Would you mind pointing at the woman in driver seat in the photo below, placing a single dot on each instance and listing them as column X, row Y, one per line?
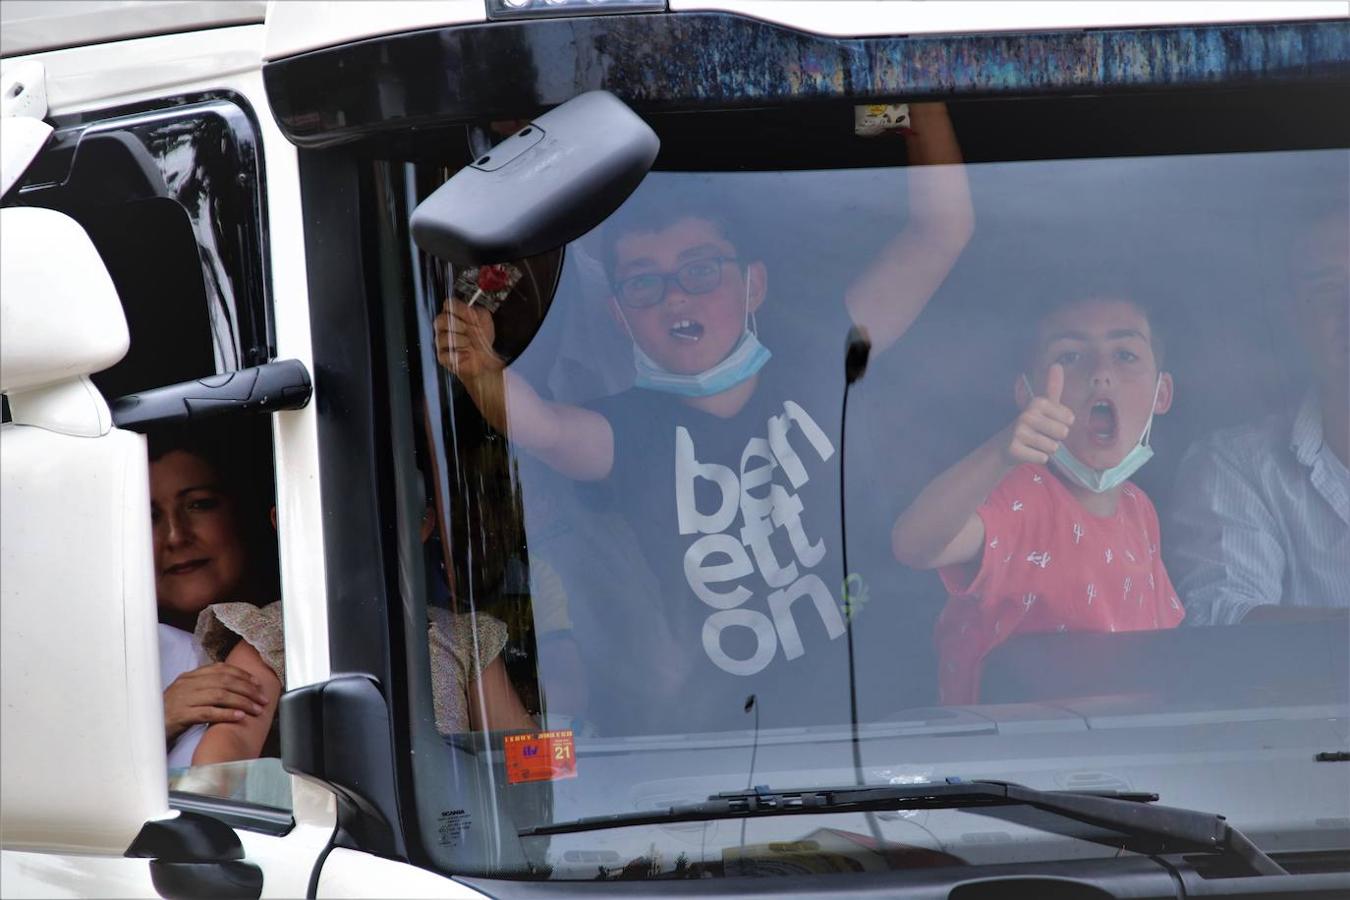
column 215, row 575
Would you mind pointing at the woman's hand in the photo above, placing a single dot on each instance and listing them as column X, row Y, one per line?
column 1044, row 423
column 464, row 336
column 214, row 693
column 244, row 738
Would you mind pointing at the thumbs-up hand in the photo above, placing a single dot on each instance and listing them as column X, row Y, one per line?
column 1044, row 423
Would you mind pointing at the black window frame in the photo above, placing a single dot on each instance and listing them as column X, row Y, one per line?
column 348, row 105
column 223, row 199
column 224, row 202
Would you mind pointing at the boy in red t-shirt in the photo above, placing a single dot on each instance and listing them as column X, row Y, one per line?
column 1037, row 530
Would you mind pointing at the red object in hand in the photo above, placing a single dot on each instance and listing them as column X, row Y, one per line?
column 493, row 278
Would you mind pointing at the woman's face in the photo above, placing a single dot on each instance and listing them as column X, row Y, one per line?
column 199, row 553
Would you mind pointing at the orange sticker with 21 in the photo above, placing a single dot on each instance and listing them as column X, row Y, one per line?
column 546, row 756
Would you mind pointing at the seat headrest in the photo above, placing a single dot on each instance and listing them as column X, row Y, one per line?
column 60, row 316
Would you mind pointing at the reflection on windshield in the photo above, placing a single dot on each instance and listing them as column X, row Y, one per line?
column 718, row 465
column 1095, row 484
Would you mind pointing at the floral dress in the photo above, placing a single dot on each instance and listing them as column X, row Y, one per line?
column 460, row 646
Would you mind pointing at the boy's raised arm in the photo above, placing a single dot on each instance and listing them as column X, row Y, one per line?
column 576, row 442
column 889, row 296
column 942, row 527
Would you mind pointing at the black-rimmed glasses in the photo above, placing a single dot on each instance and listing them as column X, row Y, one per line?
column 699, row 276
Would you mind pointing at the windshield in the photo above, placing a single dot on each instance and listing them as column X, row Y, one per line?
column 1077, row 515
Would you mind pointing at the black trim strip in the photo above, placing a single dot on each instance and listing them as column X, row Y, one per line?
column 344, row 395
column 683, row 61
column 351, row 413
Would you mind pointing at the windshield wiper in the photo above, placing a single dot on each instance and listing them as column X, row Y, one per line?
column 1128, row 812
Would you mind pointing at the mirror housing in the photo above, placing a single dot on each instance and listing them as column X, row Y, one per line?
column 546, row 185
column 83, row 735
column 61, row 317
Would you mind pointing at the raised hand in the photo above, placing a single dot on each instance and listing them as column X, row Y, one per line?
column 464, row 336
column 214, row 693
column 1043, row 424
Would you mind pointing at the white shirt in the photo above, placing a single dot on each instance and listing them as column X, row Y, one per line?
column 1261, row 515
column 179, row 653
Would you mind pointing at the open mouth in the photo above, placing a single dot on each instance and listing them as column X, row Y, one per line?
column 1101, row 424
column 185, row 568
column 686, row 330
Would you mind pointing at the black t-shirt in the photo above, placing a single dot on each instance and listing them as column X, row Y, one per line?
column 738, row 520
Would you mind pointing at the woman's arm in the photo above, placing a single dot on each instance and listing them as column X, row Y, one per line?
column 889, row 296
column 212, row 693
column 505, row 712
column 230, row 741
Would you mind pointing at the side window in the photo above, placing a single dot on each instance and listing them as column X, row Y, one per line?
column 171, row 197
column 172, row 200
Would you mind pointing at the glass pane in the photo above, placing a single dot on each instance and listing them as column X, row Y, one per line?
column 221, row 646
column 262, row 782
column 172, row 199
column 708, row 563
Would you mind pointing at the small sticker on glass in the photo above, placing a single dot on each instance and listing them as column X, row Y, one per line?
column 870, row 120
column 546, row 756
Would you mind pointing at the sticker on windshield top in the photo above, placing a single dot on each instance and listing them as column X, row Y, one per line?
column 546, row 756
column 872, row 119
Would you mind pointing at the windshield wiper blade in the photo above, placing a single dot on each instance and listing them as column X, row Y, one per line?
column 1131, row 813
column 763, row 801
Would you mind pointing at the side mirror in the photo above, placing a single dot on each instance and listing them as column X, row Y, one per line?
column 83, row 735
column 546, row 185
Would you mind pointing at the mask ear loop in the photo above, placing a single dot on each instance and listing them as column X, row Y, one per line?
column 623, row 317
column 1144, row 439
column 749, row 324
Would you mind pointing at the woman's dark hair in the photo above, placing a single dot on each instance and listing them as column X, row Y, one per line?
column 241, row 454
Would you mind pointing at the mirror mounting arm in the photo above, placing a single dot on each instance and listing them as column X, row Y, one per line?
column 196, row 856
column 258, row 389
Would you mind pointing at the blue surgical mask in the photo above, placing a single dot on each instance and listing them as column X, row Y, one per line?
column 1099, row 481
column 741, row 364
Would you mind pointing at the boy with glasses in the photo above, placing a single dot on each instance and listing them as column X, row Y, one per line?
column 722, row 457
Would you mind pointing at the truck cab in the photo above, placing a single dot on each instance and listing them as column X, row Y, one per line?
column 461, row 288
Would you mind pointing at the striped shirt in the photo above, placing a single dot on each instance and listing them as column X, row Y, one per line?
column 1260, row 515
